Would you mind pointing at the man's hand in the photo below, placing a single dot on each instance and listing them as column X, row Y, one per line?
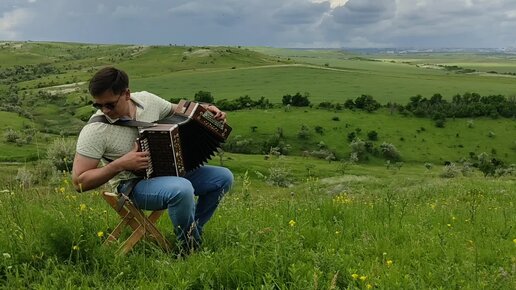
column 219, row 115
column 87, row 175
column 134, row 160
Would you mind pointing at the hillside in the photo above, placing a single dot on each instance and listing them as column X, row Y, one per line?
column 45, row 84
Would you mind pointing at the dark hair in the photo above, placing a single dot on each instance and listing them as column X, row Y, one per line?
column 108, row 78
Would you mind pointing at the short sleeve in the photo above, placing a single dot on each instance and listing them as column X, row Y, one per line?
column 90, row 143
column 164, row 105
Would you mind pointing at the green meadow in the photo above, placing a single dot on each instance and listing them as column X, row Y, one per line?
column 366, row 228
column 293, row 220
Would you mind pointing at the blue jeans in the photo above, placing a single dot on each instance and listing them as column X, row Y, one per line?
column 176, row 194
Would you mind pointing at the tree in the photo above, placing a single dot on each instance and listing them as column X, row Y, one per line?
column 372, row 135
column 389, row 151
column 204, row 97
column 367, row 103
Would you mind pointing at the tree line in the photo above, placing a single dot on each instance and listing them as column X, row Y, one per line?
column 467, row 105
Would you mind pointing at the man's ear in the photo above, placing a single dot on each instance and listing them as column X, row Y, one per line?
column 127, row 94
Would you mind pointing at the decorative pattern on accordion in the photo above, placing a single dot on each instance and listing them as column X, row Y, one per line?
column 182, row 142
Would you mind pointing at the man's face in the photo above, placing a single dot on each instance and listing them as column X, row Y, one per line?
column 114, row 106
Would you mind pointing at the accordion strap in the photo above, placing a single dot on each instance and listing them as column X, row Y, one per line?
column 120, row 122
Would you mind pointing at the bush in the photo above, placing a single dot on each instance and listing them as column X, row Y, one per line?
column 358, row 147
column 280, row 176
column 440, row 123
column 450, row 171
column 61, row 154
column 390, row 152
column 304, row 133
column 202, row 96
column 11, row 136
column 372, row 135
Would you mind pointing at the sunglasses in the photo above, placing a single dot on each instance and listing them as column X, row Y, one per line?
column 109, row 106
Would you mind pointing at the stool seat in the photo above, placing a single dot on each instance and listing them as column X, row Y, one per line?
column 140, row 224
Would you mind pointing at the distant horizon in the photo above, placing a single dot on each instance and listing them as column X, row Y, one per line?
column 408, row 48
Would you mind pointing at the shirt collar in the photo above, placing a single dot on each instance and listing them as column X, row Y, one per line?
column 136, row 101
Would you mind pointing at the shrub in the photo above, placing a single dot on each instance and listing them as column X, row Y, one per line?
column 280, row 176
column 61, row 153
column 352, row 136
column 202, row 96
column 450, row 171
column 25, row 178
column 358, row 147
column 439, row 123
column 319, row 130
column 390, row 152
column 11, row 136
column 304, row 132
column 372, row 135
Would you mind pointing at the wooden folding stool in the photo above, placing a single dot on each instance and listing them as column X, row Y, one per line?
column 141, row 225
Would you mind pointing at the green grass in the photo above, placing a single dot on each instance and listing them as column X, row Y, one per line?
column 430, row 144
column 395, row 228
column 231, row 72
column 405, row 230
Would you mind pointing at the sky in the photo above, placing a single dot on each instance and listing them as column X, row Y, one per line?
column 276, row 23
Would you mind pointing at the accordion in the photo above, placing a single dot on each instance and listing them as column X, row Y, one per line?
column 182, row 142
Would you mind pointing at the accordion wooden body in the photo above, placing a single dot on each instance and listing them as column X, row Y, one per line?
column 183, row 141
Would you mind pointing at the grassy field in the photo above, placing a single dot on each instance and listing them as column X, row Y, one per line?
column 418, row 140
column 334, row 225
column 370, row 228
column 231, row 72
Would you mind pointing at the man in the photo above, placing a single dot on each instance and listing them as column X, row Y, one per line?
column 116, row 148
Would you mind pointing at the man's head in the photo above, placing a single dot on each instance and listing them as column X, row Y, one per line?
column 108, row 79
column 109, row 88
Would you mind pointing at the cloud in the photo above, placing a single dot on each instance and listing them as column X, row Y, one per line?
column 362, row 12
column 301, row 13
column 300, row 23
column 11, row 21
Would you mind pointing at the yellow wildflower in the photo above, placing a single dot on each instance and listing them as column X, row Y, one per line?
column 62, row 189
column 75, row 248
column 354, row 276
column 514, row 241
column 389, row 263
column 82, row 207
column 369, row 286
column 100, row 234
column 337, row 232
column 292, row 223
column 363, row 278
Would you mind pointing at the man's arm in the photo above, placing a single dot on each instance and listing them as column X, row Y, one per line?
column 87, row 175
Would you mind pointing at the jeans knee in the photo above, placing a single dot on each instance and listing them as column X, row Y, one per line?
column 181, row 193
column 227, row 178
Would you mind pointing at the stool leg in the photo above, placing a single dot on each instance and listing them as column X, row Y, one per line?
column 136, row 219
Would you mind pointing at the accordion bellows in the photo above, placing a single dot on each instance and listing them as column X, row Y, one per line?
column 183, row 141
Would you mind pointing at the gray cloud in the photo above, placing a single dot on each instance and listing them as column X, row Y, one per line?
column 359, row 12
column 301, row 13
column 300, row 23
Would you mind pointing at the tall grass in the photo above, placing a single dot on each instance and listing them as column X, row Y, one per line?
column 367, row 229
